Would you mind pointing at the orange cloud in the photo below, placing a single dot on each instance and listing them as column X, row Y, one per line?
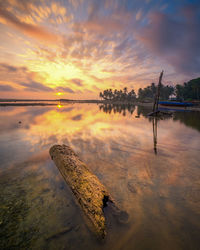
column 33, row 31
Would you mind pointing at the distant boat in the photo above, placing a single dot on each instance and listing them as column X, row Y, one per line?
column 180, row 104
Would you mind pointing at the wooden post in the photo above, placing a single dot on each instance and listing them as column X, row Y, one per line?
column 157, row 96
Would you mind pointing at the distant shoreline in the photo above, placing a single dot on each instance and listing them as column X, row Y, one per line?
column 43, row 102
column 27, row 104
column 29, row 100
column 34, row 102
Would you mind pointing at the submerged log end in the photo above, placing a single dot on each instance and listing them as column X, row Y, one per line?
column 90, row 193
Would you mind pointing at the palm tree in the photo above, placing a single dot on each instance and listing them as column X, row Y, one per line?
column 125, row 90
column 110, row 94
column 105, row 94
column 115, row 94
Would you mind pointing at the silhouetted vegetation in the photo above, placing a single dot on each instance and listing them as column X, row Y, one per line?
column 189, row 90
column 149, row 92
column 118, row 95
column 117, row 108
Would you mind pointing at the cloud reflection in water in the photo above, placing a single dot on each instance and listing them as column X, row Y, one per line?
column 158, row 191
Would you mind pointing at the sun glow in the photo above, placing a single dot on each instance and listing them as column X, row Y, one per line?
column 56, row 72
column 59, row 93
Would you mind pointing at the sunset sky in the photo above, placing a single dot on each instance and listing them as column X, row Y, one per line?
column 81, row 47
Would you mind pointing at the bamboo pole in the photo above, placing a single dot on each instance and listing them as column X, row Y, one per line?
column 157, row 96
column 159, row 85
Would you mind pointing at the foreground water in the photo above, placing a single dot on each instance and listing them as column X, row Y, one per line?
column 151, row 168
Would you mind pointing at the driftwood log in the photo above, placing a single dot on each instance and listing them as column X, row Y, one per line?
column 90, row 193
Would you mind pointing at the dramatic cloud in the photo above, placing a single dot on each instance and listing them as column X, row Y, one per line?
column 4, row 87
column 175, row 39
column 35, row 86
column 78, row 82
column 31, row 30
column 21, row 76
column 7, row 67
column 64, row 89
column 20, row 5
column 83, row 47
column 10, row 68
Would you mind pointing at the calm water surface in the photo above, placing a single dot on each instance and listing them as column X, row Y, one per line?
column 151, row 168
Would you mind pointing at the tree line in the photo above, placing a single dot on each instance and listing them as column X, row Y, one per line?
column 150, row 91
column 188, row 91
column 118, row 95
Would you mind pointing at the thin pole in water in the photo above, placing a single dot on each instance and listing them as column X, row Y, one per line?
column 157, row 95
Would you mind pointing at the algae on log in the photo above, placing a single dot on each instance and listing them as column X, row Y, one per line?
column 91, row 194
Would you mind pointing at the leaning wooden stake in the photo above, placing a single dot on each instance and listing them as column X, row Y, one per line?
column 91, row 194
column 157, row 96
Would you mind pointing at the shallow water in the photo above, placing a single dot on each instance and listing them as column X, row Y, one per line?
column 155, row 179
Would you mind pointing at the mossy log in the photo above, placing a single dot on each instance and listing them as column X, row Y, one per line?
column 90, row 193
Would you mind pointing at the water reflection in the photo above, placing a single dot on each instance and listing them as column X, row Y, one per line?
column 159, row 192
column 124, row 108
column 188, row 119
column 154, row 121
column 117, row 108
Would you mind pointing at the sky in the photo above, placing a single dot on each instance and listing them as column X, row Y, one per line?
column 81, row 47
